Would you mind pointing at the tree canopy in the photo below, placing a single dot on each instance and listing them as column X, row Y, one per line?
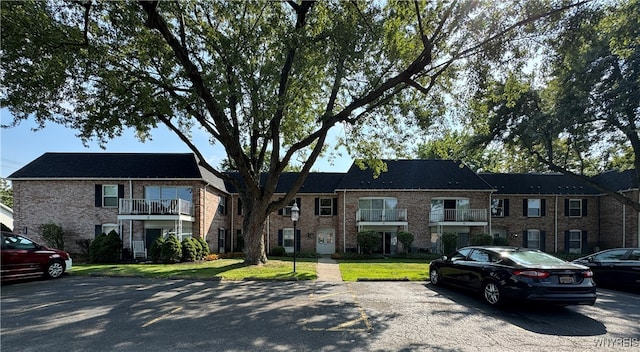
column 267, row 80
column 580, row 115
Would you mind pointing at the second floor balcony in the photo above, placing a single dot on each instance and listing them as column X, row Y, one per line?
column 381, row 215
column 458, row 215
column 155, row 207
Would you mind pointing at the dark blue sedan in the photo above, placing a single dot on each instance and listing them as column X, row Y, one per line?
column 515, row 274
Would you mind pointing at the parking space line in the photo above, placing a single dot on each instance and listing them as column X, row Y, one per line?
column 347, row 325
column 153, row 321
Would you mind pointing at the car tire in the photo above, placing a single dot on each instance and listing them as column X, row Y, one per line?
column 492, row 293
column 55, row 269
column 434, row 277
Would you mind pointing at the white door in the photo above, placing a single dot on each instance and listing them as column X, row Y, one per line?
column 326, row 241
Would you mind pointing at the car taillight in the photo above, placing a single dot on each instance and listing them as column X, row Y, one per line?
column 536, row 274
column 587, row 273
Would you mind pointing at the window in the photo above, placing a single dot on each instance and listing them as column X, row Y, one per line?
column 575, row 207
column 286, row 211
column 222, row 206
column 168, row 193
column 480, row 256
column 575, row 241
column 533, row 208
column 109, row 196
column 326, row 206
column 497, row 207
column 533, row 239
column 287, row 240
column 615, row 254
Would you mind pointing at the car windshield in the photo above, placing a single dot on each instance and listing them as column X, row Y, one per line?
column 530, row 257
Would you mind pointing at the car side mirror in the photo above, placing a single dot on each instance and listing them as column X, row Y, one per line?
column 444, row 257
column 590, row 259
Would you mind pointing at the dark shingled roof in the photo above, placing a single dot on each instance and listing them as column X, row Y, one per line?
column 415, row 174
column 537, row 184
column 316, row 182
column 618, row 180
column 111, row 165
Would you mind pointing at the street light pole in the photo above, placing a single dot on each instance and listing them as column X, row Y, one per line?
column 295, row 214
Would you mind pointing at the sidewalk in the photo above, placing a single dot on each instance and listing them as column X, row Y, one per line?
column 328, row 270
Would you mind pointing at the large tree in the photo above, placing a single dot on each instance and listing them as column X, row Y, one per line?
column 267, row 80
column 584, row 115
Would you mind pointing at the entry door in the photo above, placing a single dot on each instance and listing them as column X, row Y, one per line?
column 326, row 241
column 150, row 236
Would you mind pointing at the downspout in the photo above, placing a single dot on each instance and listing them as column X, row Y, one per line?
column 555, row 249
column 638, row 242
column 131, row 221
column 269, row 233
column 231, row 225
column 344, row 221
column 624, row 225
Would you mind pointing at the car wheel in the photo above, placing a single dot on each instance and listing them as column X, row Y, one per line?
column 55, row 269
column 491, row 293
column 434, row 276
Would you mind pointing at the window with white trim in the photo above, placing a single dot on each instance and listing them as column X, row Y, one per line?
column 534, row 208
column 497, row 207
column 110, row 196
column 287, row 240
column 533, row 239
column 575, row 208
column 575, row 241
column 326, row 206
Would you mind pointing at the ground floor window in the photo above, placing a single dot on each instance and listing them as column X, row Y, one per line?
column 575, row 241
column 287, row 240
column 533, row 239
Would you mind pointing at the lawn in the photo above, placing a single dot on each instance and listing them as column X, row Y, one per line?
column 225, row 269
column 385, row 269
column 275, row 269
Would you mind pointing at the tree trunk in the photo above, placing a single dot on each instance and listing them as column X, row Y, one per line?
column 252, row 228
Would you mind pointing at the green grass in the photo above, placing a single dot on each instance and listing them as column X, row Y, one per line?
column 385, row 269
column 226, row 269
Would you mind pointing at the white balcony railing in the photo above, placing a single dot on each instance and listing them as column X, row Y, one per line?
column 381, row 215
column 155, row 207
column 458, row 215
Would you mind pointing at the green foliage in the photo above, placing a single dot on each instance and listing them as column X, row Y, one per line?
column 52, row 234
column 198, row 247
column 482, row 239
column 189, row 250
column 406, row 238
column 155, row 252
column 278, row 251
column 205, row 246
column 449, row 243
column 369, row 241
column 500, row 241
column 6, row 193
column 105, row 248
column 171, row 250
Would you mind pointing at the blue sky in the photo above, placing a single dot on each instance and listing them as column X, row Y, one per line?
column 21, row 145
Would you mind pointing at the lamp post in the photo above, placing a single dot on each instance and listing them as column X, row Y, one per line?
column 295, row 214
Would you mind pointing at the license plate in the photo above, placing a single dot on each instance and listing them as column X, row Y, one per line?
column 567, row 280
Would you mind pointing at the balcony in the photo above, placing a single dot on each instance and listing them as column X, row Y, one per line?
column 133, row 208
column 458, row 215
column 382, row 215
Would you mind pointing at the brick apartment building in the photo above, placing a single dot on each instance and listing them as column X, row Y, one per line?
column 143, row 196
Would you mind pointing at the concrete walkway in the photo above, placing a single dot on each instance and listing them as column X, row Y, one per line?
column 328, row 270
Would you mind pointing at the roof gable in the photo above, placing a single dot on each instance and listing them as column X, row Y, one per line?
column 111, row 165
column 618, row 180
column 415, row 174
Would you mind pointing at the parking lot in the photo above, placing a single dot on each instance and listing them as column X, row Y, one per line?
column 132, row 314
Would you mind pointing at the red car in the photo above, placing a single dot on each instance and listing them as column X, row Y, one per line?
column 23, row 258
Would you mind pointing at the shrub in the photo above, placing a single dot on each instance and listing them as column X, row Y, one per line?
column 369, row 240
column 500, row 241
column 205, row 247
column 406, row 238
column 155, row 252
column 189, row 250
column 171, row 250
column 52, row 234
column 449, row 243
column 278, row 251
column 198, row 246
column 482, row 239
column 105, row 248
